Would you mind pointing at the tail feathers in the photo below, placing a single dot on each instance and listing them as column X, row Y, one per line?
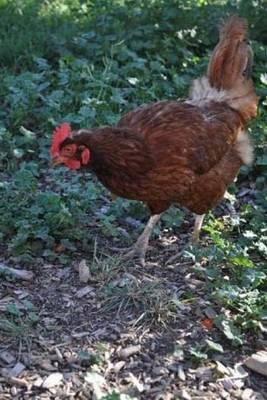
column 234, row 28
column 231, row 56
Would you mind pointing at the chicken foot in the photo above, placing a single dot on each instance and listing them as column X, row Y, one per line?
column 194, row 237
column 139, row 249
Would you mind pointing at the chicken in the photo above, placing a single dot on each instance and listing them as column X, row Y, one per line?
column 185, row 152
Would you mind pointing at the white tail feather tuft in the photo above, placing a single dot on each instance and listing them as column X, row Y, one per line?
column 244, row 147
column 202, row 92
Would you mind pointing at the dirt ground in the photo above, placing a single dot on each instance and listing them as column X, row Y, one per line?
column 92, row 341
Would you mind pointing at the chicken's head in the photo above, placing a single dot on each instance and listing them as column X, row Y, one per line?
column 64, row 150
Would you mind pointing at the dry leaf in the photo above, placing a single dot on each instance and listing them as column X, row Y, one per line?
column 207, row 323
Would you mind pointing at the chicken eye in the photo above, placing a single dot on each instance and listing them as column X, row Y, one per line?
column 68, row 151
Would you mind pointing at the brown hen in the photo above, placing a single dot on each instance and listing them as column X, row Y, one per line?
column 185, row 152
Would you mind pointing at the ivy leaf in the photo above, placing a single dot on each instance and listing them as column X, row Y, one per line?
column 229, row 329
column 214, row 346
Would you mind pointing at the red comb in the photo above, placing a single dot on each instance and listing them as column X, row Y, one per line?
column 61, row 133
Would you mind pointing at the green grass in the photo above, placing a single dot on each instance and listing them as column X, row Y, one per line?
column 154, row 302
column 87, row 62
column 18, row 321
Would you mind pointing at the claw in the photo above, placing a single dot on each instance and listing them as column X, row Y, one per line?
column 138, row 251
column 135, row 254
column 174, row 257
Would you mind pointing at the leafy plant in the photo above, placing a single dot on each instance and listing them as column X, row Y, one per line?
column 88, row 62
column 18, row 321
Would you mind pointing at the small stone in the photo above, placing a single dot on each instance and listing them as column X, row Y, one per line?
column 52, row 380
column 84, row 272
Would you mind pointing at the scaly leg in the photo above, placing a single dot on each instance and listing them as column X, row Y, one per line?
column 197, row 228
column 140, row 247
column 194, row 238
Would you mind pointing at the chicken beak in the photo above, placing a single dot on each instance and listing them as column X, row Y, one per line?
column 56, row 161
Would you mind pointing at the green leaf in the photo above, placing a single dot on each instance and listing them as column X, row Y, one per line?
column 14, row 310
column 241, row 261
column 229, row 329
column 214, row 346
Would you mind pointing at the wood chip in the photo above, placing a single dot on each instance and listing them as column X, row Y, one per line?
column 84, row 291
column 18, row 382
column 52, row 380
column 14, row 391
column 17, row 369
column 204, row 374
column 118, row 366
column 59, row 355
column 222, row 368
column 180, row 373
column 135, row 381
column 38, row 382
column 258, row 362
column 129, row 351
column 184, row 395
column 97, row 381
column 159, row 371
column 47, row 366
column 80, row 334
column 247, row 394
column 210, row 313
column 16, row 273
column 7, row 357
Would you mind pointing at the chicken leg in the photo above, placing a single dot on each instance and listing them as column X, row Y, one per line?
column 194, row 237
column 197, row 228
column 140, row 247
